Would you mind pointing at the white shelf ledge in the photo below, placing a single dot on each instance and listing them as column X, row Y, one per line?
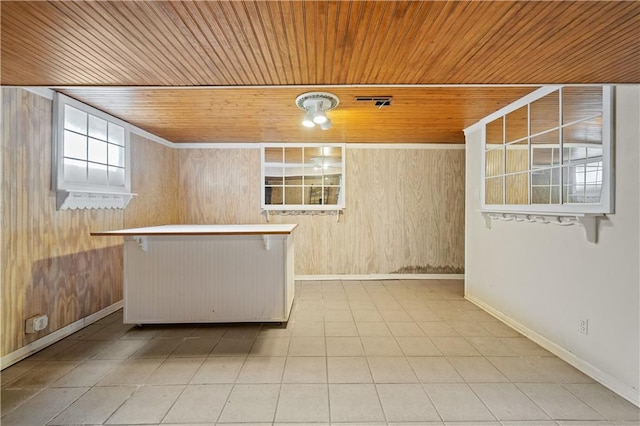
column 589, row 221
column 72, row 199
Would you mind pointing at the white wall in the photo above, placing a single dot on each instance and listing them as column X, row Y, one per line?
column 544, row 278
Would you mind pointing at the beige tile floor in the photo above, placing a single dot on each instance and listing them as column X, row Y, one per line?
column 371, row 352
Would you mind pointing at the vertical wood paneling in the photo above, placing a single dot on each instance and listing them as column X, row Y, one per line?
column 50, row 264
column 155, row 180
column 404, row 212
column 219, row 186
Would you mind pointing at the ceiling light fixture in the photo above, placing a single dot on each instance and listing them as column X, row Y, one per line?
column 316, row 105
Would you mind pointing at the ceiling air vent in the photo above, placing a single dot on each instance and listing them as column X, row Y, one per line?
column 378, row 101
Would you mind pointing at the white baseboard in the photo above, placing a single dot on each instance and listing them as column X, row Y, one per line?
column 380, row 277
column 56, row 336
column 622, row 389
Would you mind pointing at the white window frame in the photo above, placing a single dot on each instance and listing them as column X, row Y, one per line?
column 301, row 207
column 606, row 204
column 83, row 195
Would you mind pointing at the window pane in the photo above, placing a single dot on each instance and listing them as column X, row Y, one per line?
column 517, row 157
column 75, row 171
column 583, row 183
column 116, row 176
column 75, row 145
column 293, row 195
column 332, row 180
column 313, row 195
column 588, row 131
column 545, row 113
column 97, row 151
column 331, row 195
column 545, row 195
column 495, row 132
column 116, row 134
column 543, row 157
column 273, row 155
column 493, row 190
column 75, row 120
column 97, row 128
column 293, row 180
column 116, row 155
column 545, row 186
column 549, row 138
column 574, row 154
column 273, row 195
column 273, row 180
column 313, row 180
column 579, row 103
column 517, row 188
column 98, row 174
column 293, row 155
column 494, row 162
column 517, row 124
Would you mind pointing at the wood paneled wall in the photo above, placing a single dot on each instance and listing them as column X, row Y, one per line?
column 404, row 209
column 154, row 178
column 50, row 264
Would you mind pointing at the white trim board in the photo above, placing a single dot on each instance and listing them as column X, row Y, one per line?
column 51, row 338
column 628, row 393
column 367, row 277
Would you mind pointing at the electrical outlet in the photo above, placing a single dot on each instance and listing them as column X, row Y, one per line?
column 583, row 326
column 35, row 324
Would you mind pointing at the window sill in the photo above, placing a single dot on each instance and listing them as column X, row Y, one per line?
column 589, row 221
column 73, row 199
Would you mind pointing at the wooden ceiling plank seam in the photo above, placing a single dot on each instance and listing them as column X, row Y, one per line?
column 443, row 55
column 388, row 50
column 504, row 39
column 321, row 20
column 597, row 51
column 340, row 30
column 219, row 42
column 288, row 19
column 199, row 29
column 44, row 53
column 266, row 26
column 276, row 62
column 291, row 47
column 165, row 48
column 143, row 61
column 360, row 30
column 345, row 49
column 260, row 42
column 138, row 61
column 168, row 35
column 306, row 62
column 540, row 24
column 308, row 41
column 245, row 49
column 333, row 10
column 426, row 47
column 379, row 54
column 278, row 39
column 476, row 47
column 630, row 72
column 379, row 24
column 411, row 34
column 568, row 54
column 36, row 61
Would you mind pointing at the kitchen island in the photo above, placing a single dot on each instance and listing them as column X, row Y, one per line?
column 207, row 273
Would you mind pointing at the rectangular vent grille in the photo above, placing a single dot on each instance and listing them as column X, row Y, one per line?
column 378, row 101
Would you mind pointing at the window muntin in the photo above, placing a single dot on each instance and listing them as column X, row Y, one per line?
column 550, row 152
column 302, row 176
column 92, row 156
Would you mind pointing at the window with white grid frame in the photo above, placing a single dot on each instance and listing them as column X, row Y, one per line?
column 92, row 149
column 551, row 152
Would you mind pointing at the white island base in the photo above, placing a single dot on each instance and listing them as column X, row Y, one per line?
column 207, row 273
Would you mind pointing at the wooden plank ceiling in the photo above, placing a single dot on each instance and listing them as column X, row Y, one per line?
column 253, row 52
